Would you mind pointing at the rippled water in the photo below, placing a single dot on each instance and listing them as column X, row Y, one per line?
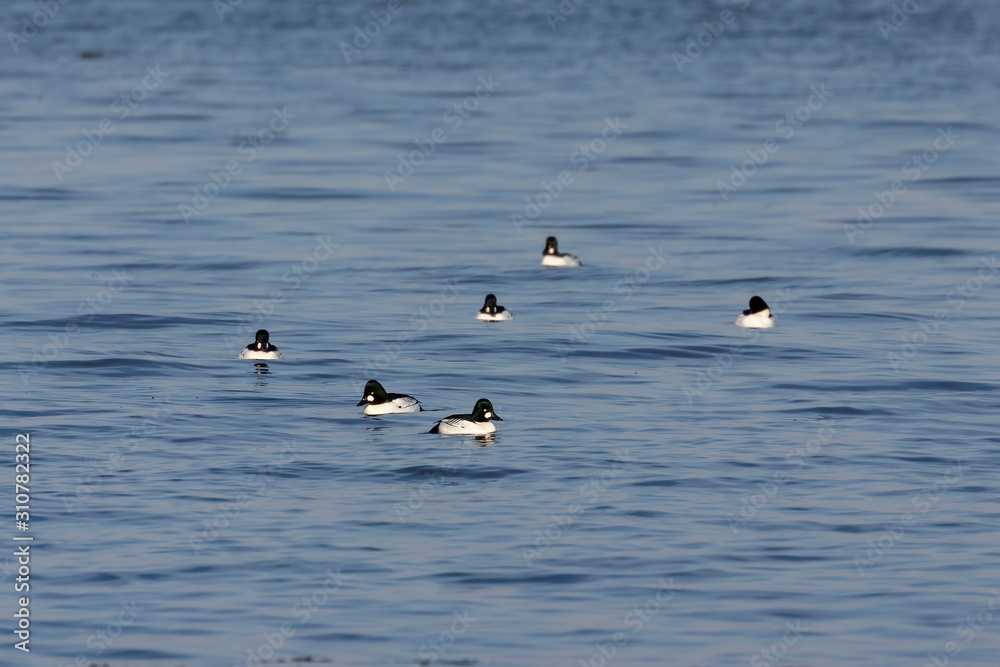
column 665, row 488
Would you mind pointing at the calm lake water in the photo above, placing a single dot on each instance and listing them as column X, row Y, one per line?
column 665, row 488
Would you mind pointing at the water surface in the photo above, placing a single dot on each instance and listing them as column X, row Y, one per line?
column 665, row 488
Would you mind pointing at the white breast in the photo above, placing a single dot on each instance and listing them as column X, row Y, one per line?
column 259, row 354
column 499, row 317
column 395, row 406
column 762, row 320
column 450, row 426
column 565, row 259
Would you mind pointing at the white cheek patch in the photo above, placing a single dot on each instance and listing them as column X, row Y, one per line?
column 371, row 397
column 487, row 414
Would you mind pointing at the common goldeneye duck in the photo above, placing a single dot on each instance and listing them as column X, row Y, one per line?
column 478, row 423
column 757, row 317
column 491, row 312
column 260, row 348
column 378, row 402
column 552, row 257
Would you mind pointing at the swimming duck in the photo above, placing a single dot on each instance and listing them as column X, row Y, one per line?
column 478, row 423
column 378, row 402
column 757, row 317
column 552, row 257
column 491, row 312
column 260, row 348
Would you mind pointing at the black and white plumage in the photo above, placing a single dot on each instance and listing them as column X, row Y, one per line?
column 552, row 257
column 758, row 316
column 491, row 312
column 478, row 423
column 378, row 402
column 261, row 348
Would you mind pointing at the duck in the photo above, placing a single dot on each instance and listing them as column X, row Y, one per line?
column 552, row 257
column 260, row 348
column 378, row 402
column 478, row 423
column 491, row 312
column 757, row 317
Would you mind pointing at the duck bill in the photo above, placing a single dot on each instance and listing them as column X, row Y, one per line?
column 496, row 417
column 363, row 401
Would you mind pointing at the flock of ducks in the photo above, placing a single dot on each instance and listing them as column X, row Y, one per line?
column 378, row 401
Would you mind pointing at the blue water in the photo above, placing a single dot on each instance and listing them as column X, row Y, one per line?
column 665, row 488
